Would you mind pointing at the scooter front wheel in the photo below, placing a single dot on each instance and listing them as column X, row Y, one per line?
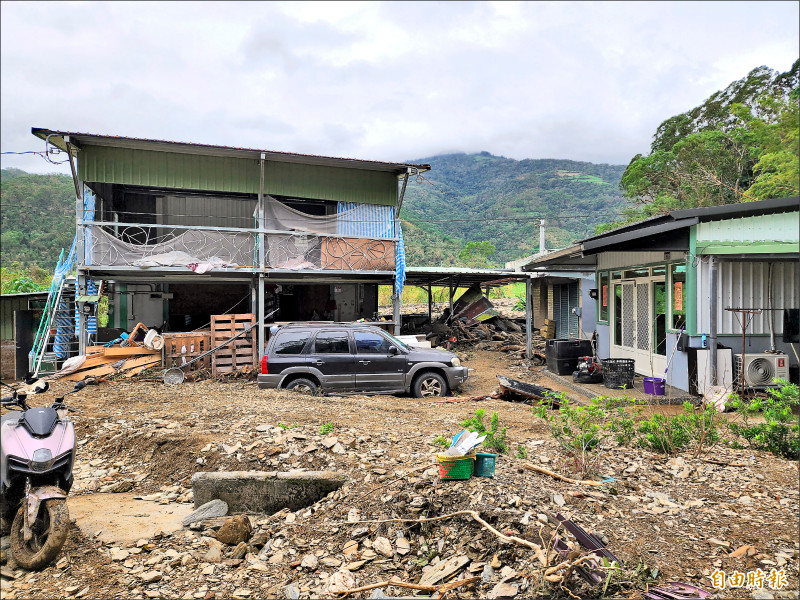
column 50, row 531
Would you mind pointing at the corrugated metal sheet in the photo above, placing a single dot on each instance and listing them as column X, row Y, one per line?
column 237, row 175
column 783, row 227
column 205, row 211
column 623, row 260
column 745, row 285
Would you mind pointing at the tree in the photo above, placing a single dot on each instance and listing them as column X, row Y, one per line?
column 476, row 254
column 741, row 144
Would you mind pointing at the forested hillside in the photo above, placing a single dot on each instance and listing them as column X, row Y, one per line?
column 480, row 197
column 38, row 218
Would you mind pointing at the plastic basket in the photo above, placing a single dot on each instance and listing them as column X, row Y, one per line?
column 484, row 464
column 456, row 467
column 654, row 386
column 618, row 372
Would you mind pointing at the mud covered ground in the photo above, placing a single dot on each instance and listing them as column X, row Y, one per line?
column 666, row 517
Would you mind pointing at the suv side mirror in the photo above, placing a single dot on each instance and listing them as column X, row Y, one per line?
column 393, row 351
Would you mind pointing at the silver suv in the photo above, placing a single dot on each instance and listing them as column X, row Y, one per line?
column 350, row 357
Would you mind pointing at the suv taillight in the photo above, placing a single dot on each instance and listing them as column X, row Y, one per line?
column 264, row 370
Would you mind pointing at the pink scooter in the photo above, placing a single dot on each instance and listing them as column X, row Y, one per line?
column 37, row 451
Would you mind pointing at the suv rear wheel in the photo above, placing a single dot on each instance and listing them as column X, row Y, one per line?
column 302, row 385
column 429, row 384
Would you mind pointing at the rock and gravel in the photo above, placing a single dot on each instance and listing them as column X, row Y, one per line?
column 667, row 518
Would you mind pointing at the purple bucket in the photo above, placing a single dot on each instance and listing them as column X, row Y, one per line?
column 654, row 386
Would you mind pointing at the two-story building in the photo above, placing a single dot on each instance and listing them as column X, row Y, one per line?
column 180, row 231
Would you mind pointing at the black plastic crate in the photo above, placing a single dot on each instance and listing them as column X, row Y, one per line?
column 568, row 348
column 563, row 356
column 562, row 366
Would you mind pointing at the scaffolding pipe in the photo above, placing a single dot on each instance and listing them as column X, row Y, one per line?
column 528, row 320
column 712, row 320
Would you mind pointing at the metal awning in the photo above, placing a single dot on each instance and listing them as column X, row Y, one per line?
column 461, row 276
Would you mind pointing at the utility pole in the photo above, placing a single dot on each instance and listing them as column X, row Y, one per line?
column 541, row 236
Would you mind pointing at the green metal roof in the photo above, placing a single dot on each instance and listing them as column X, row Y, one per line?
column 178, row 165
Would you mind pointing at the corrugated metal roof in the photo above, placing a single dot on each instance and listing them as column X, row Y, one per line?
column 196, row 148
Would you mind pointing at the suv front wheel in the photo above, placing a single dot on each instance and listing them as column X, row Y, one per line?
column 429, row 384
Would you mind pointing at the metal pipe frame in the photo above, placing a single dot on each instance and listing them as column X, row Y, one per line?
column 712, row 320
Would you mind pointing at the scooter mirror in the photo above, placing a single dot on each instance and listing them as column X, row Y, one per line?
column 21, row 397
column 59, row 400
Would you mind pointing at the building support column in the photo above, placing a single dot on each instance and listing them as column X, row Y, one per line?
column 396, row 301
column 528, row 319
column 450, row 291
column 259, row 292
column 430, row 304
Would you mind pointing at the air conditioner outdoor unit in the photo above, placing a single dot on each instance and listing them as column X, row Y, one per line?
column 760, row 370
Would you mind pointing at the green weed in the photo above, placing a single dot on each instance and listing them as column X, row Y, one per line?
column 495, row 435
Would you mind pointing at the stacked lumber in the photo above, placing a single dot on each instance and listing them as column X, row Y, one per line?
column 114, row 360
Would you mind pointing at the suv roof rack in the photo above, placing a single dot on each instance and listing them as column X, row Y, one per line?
column 330, row 323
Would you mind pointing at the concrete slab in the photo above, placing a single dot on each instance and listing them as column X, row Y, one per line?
column 264, row 492
column 120, row 519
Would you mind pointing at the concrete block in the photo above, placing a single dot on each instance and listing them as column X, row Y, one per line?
column 264, row 492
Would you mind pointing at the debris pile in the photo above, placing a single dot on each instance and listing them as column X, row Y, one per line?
column 474, row 322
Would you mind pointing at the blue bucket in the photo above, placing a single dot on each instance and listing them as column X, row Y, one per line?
column 484, row 464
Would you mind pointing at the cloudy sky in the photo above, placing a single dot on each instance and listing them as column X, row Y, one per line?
column 385, row 81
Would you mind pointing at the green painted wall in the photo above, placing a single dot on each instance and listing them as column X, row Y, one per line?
column 762, row 233
column 239, row 175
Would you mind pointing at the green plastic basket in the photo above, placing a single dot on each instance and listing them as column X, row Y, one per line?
column 484, row 464
column 456, row 467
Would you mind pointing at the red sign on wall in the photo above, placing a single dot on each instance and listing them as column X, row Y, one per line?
column 605, row 295
column 678, row 295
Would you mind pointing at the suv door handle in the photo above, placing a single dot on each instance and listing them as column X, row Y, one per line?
column 318, row 362
column 365, row 362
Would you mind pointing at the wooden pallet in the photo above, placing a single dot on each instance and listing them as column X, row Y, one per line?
column 180, row 348
column 238, row 354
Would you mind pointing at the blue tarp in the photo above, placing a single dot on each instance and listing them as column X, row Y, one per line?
column 365, row 220
column 400, row 264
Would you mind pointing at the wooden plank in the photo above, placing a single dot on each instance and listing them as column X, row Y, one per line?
column 120, row 352
column 109, row 369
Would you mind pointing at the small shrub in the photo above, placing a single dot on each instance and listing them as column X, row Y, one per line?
column 495, row 435
column 522, row 451
column 325, row 428
column 780, row 432
column 284, row 426
column 579, row 430
column 440, row 440
column 663, row 433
